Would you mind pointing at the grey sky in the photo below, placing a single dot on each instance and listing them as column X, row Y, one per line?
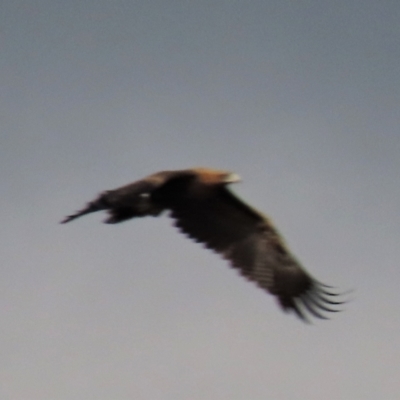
column 301, row 98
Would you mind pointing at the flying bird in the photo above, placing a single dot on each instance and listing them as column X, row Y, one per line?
column 204, row 209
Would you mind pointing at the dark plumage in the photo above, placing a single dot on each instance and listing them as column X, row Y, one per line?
column 206, row 211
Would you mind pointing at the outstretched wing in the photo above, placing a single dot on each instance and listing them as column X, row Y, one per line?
column 250, row 242
column 129, row 201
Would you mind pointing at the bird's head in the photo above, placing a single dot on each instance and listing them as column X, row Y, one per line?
column 231, row 177
column 216, row 177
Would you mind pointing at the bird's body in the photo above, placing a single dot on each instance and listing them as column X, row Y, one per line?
column 206, row 211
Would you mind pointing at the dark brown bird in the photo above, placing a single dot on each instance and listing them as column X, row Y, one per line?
column 205, row 210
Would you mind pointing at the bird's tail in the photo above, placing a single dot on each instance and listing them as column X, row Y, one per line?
column 93, row 206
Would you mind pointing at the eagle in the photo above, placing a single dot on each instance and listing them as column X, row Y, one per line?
column 204, row 209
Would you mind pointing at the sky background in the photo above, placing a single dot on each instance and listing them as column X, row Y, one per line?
column 301, row 98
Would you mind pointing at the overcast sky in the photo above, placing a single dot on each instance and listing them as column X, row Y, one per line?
column 301, row 98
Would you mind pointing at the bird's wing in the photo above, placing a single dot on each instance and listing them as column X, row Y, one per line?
column 129, row 201
column 251, row 243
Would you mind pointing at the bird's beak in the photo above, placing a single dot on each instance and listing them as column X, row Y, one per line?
column 232, row 178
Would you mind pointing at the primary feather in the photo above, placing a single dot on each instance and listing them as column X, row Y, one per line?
column 206, row 211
